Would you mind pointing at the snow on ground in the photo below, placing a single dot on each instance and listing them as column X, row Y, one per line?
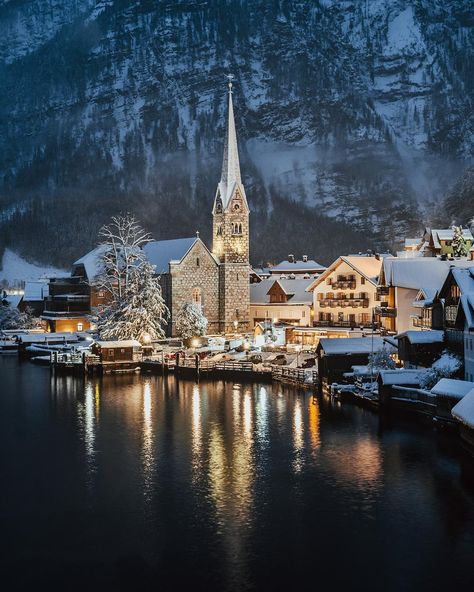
column 16, row 270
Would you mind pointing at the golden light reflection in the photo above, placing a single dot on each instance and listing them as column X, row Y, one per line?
column 97, row 401
column 247, row 413
column 361, row 465
column 313, row 421
column 262, row 416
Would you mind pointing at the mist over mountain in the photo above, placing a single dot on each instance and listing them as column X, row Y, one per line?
column 354, row 118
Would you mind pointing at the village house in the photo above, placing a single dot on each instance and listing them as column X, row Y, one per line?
column 439, row 241
column 407, row 289
column 335, row 357
column 420, row 348
column 283, row 300
column 345, row 294
column 457, row 296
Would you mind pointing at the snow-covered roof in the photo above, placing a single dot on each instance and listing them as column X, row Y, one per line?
column 295, row 288
column 92, row 262
column 367, row 266
column 113, row 344
column 12, row 300
column 413, row 242
column 36, row 291
column 297, row 266
column 48, row 337
column 426, row 273
column 420, row 337
column 447, row 234
column 162, row 253
column 401, row 377
column 449, row 387
column 464, row 410
column 353, row 345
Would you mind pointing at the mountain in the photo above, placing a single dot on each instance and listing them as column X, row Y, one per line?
column 354, row 118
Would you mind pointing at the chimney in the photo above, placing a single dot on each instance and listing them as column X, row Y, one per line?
column 305, row 258
column 291, row 258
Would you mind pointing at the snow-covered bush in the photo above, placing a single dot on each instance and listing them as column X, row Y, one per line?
column 459, row 243
column 190, row 322
column 381, row 360
column 12, row 318
column 444, row 367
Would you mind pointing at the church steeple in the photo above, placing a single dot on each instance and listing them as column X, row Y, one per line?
column 230, row 242
column 230, row 163
column 230, row 175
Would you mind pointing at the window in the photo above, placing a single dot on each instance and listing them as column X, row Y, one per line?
column 80, row 326
column 219, row 230
column 197, row 296
column 198, row 263
column 122, row 351
column 362, row 280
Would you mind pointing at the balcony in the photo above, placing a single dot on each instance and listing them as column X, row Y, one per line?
column 344, row 285
column 344, row 303
column 383, row 291
column 67, row 304
column 345, row 324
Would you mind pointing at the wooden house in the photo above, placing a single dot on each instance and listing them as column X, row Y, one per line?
column 420, row 348
column 118, row 354
column 335, row 357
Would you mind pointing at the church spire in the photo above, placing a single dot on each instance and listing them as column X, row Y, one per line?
column 230, row 165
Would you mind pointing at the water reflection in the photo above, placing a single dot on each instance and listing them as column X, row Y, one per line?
column 313, row 423
column 196, row 431
column 148, row 457
column 87, row 418
column 298, row 440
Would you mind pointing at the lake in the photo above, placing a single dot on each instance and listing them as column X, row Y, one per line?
column 149, row 483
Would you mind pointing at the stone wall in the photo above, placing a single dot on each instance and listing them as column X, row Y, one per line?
column 197, row 270
column 234, row 286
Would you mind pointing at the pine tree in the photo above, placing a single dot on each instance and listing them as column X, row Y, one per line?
column 12, row 318
column 458, row 243
column 190, row 322
column 135, row 308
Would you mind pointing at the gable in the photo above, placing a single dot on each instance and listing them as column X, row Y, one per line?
column 197, row 256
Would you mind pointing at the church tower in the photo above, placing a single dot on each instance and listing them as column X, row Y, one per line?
column 230, row 237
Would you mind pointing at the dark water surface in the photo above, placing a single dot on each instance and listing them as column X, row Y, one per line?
column 144, row 483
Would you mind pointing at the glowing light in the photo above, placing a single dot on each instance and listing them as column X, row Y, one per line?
column 195, row 343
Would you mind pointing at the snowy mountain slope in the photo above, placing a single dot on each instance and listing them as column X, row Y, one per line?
column 361, row 109
column 15, row 270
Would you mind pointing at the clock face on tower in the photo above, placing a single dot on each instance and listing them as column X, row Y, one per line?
column 236, row 207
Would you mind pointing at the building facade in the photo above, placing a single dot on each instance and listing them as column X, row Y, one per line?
column 345, row 295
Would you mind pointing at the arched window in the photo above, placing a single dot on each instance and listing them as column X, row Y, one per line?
column 197, row 296
column 219, row 230
column 198, row 263
column 240, row 228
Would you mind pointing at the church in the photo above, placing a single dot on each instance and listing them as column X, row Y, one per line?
column 216, row 279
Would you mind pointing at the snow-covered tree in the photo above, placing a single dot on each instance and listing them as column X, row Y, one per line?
column 12, row 318
column 446, row 366
column 458, row 243
column 381, row 360
column 135, row 307
column 190, row 322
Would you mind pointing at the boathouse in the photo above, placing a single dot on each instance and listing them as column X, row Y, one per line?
column 117, row 352
column 463, row 412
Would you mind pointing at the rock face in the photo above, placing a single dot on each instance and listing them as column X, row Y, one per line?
column 359, row 112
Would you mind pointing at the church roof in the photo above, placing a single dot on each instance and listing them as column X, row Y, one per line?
column 162, row 253
column 295, row 289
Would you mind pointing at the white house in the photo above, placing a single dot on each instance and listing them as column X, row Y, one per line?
column 345, row 295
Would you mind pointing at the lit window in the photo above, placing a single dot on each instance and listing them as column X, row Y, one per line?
column 80, row 326
column 197, row 296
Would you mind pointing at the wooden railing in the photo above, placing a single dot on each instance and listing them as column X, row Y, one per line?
column 295, row 375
